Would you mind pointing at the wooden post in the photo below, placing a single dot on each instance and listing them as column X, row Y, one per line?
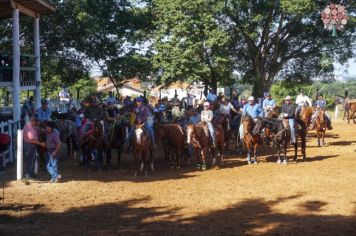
column 19, row 156
column 16, row 64
column 36, row 33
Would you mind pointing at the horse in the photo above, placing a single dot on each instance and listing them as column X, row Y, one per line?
column 251, row 141
column 280, row 134
column 320, row 125
column 224, row 121
column 271, row 113
column 235, row 131
column 69, row 135
column 93, row 144
column 116, row 140
column 351, row 112
column 198, row 137
column 142, row 149
column 172, row 138
column 306, row 114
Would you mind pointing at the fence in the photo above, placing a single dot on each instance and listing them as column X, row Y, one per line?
column 10, row 127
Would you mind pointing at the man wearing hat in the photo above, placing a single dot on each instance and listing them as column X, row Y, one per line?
column 177, row 114
column 252, row 109
column 44, row 112
column 321, row 103
column 211, row 97
column 64, row 94
column 288, row 112
column 302, row 101
column 142, row 113
column 92, row 110
column 28, row 108
column 268, row 103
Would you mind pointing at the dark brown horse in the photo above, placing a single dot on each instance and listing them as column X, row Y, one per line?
column 116, row 140
column 94, row 145
column 225, row 123
column 198, row 137
column 142, row 149
column 271, row 113
column 251, row 141
column 172, row 138
column 352, row 112
column 320, row 125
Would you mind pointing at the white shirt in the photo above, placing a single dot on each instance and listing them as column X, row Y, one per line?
column 225, row 108
column 303, row 100
column 207, row 116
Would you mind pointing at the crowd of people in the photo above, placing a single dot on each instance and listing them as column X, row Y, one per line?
column 138, row 110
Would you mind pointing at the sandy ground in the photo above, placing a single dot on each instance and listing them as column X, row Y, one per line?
column 316, row 197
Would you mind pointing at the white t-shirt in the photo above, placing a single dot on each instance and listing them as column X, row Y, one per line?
column 225, row 108
column 303, row 100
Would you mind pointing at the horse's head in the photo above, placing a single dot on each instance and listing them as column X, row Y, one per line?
column 306, row 114
column 247, row 122
column 272, row 113
column 190, row 133
column 258, row 126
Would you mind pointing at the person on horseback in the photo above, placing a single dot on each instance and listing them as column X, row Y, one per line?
column 64, row 94
column 321, row 104
column 28, row 109
column 302, row 101
column 188, row 102
column 235, row 103
column 268, row 103
column 207, row 117
column 111, row 98
column 251, row 109
column 111, row 116
column 177, row 114
column 288, row 112
column 44, row 113
column 92, row 110
column 141, row 112
column 212, row 97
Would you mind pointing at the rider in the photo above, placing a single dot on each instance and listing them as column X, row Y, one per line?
column 28, row 108
column 288, row 111
column 268, row 103
column 111, row 98
column 321, row 103
column 177, row 114
column 142, row 112
column 64, row 94
column 44, row 112
column 302, row 101
column 211, row 97
column 188, row 101
column 111, row 115
column 252, row 109
column 207, row 117
column 93, row 111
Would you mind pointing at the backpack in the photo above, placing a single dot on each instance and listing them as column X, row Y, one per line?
column 5, row 141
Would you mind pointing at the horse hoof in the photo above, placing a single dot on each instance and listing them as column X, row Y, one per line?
column 279, row 162
column 152, row 168
column 285, row 162
column 146, row 173
column 135, row 173
column 249, row 162
column 198, row 166
column 256, row 162
column 178, row 167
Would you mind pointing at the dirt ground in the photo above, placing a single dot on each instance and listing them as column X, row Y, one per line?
column 316, row 197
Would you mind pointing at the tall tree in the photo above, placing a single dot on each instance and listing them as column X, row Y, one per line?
column 189, row 44
column 282, row 38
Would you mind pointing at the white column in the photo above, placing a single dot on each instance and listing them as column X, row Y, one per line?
column 16, row 64
column 36, row 33
column 19, row 158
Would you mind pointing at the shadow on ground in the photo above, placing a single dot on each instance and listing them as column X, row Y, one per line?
column 249, row 217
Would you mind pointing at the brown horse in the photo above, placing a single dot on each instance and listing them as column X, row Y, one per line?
column 94, row 144
column 320, row 125
column 225, row 123
column 352, row 112
column 306, row 114
column 172, row 138
column 251, row 142
column 142, row 149
column 271, row 113
column 198, row 137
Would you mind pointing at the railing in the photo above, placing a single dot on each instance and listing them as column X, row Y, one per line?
column 27, row 69
column 10, row 127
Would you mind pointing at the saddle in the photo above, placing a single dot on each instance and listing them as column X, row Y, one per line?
column 286, row 123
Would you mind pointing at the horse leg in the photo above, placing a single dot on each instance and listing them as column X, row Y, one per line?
column 255, row 154
column 108, row 157
column 214, row 156
column 279, row 161
column 68, row 148
column 303, row 146
column 249, row 156
column 285, row 161
column 146, row 161
column 151, row 159
column 119, row 152
column 203, row 164
column 178, row 154
column 295, row 151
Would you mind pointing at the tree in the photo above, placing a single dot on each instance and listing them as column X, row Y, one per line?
column 189, row 44
column 282, row 38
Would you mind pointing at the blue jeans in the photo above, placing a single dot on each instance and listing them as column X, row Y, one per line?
column 212, row 131
column 52, row 167
column 29, row 152
column 149, row 130
column 292, row 130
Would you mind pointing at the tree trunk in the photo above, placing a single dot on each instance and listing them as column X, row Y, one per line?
column 214, row 84
column 260, row 85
